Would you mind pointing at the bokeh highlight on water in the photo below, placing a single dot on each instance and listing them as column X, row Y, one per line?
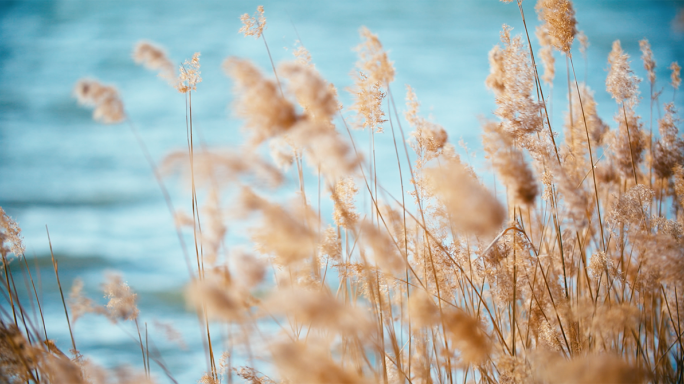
column 91, row 185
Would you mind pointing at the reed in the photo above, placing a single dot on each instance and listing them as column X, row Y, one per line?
column 570, row 279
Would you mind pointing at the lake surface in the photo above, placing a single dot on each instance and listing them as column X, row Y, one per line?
column 91, row 186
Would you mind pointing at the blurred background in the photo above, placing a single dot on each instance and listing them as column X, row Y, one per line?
column 90, row 184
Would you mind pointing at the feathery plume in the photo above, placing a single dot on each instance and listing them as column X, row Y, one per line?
column 284, row 234
column 421, row 310
column 649, row 61
column 189, row 75
column 468, row 336
column 80, row 305
column 313, row 93
column 663, row 255
column 675, row 76
column 584, row 42
column 343, row 194
column 331, row 245
column 631, row 208
column 62, row 370
column 609, row 321
column 604, row 368
column 384, row 250
column 621, row 82
column 122, row 300
column 509, row 163
column 465, row 331
column 259, row 102
column 546, row 54
column 216, row 297
column 575, row 161
column 514, row 369
column 621, row 153
column 519, row 113
column 367, row 103
column 669, row 150
column 253, row 26
column 374, row 70
column 302, row 54
column 679, row 184
column 429, row 137
column 155, row 59
column 320, row 309
column 105, row 98
column 575, row 199
column 294, row 363
column 373, row 59
column 213, row 227
column 249, row 270
column 575, row 135
column 218, row 167
column 253, row 376
column 11, row 240
column 282, row 153
column 471, row 206
column 559, row 17
column 497, row 73
column 325, row 149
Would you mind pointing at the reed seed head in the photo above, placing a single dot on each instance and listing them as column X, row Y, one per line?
column 559, row 17
column 675, row 76
column 546, row 54
column 649, row 61
column 472, row 208
column 122, row 300
column 621, row 82
column 11, row 241
column 253, row 26
column 104, row 98
column 373, row 59
column 258, row 100
column 189, row 75
column 154, row 58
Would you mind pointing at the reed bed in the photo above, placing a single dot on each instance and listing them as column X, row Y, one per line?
column 576, row 277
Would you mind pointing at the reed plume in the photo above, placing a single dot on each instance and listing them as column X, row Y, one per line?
column 675, row 75
column 546, row 54
column 647, row 58
column 254, row 25
column 154, row 58
column 11, row 240
column 259, row 102
column 621, row 82
column 448, row 285
column 559, row 19
column 105, row 100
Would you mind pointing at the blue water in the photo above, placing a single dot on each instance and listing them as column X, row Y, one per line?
column 91, row 185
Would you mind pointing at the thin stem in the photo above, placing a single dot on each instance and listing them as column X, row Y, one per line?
column 591, row 155
column 164, row 191
column 59, row 284
column 40, row 309
column 142, row 349
column 263, row 37
column 538, row 83
column 9, row 289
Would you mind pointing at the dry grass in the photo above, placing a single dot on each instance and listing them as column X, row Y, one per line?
column 576, row 277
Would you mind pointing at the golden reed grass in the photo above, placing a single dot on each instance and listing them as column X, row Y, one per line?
column 576, row 277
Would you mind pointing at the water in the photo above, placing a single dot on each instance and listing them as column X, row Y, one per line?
column 91, row 185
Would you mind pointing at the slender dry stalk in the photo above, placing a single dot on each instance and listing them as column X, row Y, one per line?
column 59, row 284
